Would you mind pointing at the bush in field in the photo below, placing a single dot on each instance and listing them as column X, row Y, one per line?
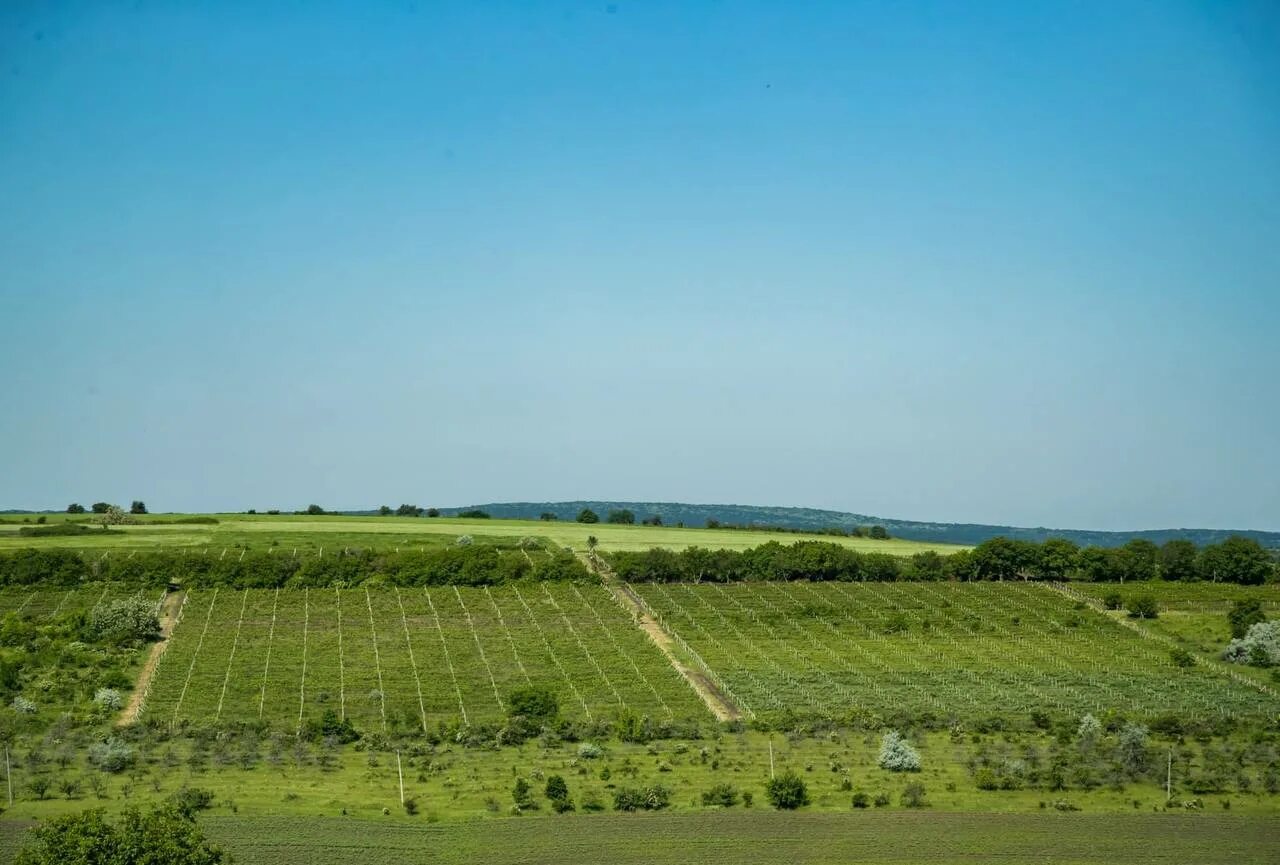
column 1259, row 647
column 1131, row 749
column 897, row 755
column 189, row 800
column 107, row 698
column 586, row 515
column 1182, row 658
column 1089, row 731
column 723, row 795
column 590, row 751
column 465, row 541
column 23, row 706
column 558, row 793
column 87, row 838
column 787, row 791
column 1113, row 600
column 1244, row 615
column 112, row 755
column 332, row 726
column 653, row 798
column 913, row 796
column 522, row 795
column 124, row 620
column 1143, row 607
column 622, row 517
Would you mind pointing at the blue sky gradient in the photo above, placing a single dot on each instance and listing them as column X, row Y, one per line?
column 1014, row 263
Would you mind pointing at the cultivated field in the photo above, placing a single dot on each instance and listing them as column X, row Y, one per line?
column 409, row 658
column 762, row 837
column 310, row 534
column 976, row 649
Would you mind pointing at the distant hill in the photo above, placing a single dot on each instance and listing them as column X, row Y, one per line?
column 812, row 518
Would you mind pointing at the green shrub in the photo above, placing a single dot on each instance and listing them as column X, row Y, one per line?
column 787, row 791
column 723, row 795
column 1143, row 607
column 653, row 798
column 913, row 795
column 861, row 800
column 112, row 755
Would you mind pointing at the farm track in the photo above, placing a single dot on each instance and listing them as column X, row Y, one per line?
column 168, row 618
column 716, row 701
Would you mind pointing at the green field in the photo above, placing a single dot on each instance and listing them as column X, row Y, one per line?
column 691, row 839
column 311, row 534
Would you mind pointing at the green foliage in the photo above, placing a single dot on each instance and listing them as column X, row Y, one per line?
column 1113, row 600
column 557, row 792
column 534, row 705
column 190, row 800
column 101, row 507
column 75, row 508
column 163, row 835
column 1143, row 607
column 409, row 511
column 138, row 507
column 472, row 565
column 721, row 795
column 652, row 798
column 331, row 724
column 586, row 515
column 1259, row 647
column 622, row 517
column 1244, row 614
column 1131, row 749
column 1235, row 560
column 913, row 796
column 522, row 795
column 787, row 791
column 1182, row 658
column 473, row 515
column 314, row 510
column 57, row 530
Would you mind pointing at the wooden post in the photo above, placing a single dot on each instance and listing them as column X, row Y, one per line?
column 771, row 775
column 400, row 772
column 8, row 774
column 1168, row 778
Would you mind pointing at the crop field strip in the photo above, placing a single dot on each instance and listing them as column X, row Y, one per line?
column 971, row 649
column 408, row 658
column 45, row 604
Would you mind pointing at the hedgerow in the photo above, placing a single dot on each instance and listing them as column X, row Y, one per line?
column 460, row 565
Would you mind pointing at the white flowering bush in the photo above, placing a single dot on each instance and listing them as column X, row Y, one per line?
column 107, row 698
column 1260, row 646
column 112, row 755
column 125, row 619
column 897, row 755
column 590, row 751
column 23, row 706
column 1090, row 729
column 464, row 541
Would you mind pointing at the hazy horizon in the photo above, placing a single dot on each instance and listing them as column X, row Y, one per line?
column 1000, row 265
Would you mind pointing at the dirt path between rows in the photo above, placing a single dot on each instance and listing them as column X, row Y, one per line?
column 717, row 702
column 169, row 609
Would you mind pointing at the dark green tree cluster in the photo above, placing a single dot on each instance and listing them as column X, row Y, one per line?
column 1235, row 560
column 473, row 565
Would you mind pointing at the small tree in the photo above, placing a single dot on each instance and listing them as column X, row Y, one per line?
column 1131, row 749
column 1143, row 607
column 1089, row 731
column 897, row 755
column 314, row 510
column 558, row 793
column 1245, row 614
column 138, row 507
column 101, row 507
column 879, row 533
column 548, row 517
column 623, row 517
column 385, row 511
column 522, row 795
column 75, row 508
column 722, row 795
column 433, row 512
column 787, row 791
column 592, row 542
column 586, row 515
column 408, row 511
column 913, row 795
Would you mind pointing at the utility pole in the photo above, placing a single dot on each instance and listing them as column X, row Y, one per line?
column 1168, row 778
column 8, row 774
column 400, row 772
column 771, row 775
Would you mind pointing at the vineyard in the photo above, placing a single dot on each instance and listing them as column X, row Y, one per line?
column 405, row 659
column 976, row 650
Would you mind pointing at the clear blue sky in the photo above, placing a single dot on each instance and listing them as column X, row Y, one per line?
column 996, row 262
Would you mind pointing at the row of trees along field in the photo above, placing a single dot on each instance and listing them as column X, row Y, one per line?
column 1235, row 560
column 466, row 565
